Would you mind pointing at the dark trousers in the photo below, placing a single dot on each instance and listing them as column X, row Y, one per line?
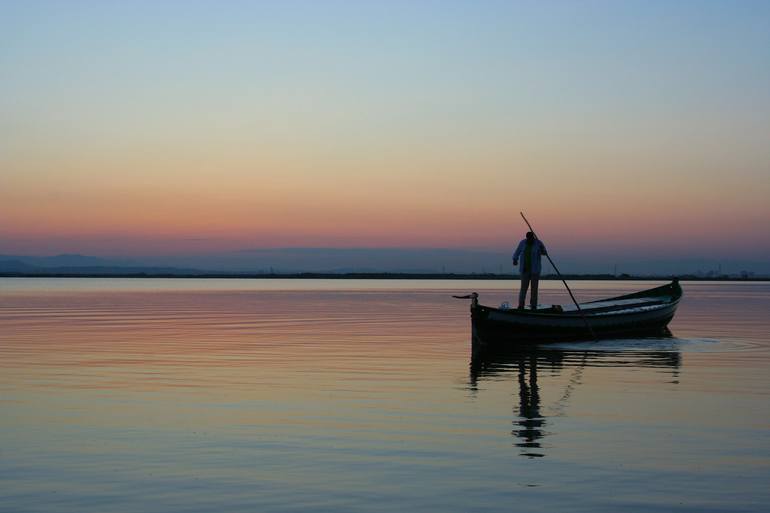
column 526, row 279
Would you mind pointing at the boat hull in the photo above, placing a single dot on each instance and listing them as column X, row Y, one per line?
column 492, row 327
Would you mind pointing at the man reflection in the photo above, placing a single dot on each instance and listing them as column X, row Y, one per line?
column 530, row 421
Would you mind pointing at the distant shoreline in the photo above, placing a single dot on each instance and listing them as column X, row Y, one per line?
column 380, row 276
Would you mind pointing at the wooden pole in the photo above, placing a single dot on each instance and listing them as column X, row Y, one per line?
column 588, row 325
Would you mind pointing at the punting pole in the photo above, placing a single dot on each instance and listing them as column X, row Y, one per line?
column 582, row 315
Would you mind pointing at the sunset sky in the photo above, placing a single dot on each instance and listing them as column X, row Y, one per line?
column 161, row 128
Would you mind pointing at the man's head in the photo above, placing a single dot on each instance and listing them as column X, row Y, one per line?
column 530, row 236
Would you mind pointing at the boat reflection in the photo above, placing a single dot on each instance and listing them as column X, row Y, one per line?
column 530, row 423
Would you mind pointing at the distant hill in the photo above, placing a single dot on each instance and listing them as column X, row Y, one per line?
column 16, row 266
column 345, row 260
column 64, row 260
column 377, row 261
column 70, row 264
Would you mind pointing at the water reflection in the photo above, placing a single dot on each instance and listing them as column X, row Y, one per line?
column 530, row 422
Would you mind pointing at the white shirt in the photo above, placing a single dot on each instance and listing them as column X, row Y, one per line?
column 537, row 250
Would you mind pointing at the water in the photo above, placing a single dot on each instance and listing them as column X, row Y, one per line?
column 316, row 395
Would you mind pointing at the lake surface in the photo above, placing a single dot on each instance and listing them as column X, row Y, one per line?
column 133, row 395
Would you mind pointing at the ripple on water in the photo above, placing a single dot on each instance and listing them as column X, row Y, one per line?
column 264, row 396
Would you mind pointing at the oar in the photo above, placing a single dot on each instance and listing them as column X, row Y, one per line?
column 590, row 330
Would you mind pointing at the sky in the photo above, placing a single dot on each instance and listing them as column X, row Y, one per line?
column 623, row 130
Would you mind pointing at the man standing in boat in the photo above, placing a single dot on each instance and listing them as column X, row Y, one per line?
column 527, row 257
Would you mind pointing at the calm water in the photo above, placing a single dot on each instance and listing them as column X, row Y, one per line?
column 242, row 395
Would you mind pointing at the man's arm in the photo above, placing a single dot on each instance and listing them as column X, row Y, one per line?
column 516, row 253
column 542, row 249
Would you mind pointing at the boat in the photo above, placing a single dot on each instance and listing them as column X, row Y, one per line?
column 641, row 314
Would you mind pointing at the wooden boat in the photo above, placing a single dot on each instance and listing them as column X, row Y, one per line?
column 645, row 313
